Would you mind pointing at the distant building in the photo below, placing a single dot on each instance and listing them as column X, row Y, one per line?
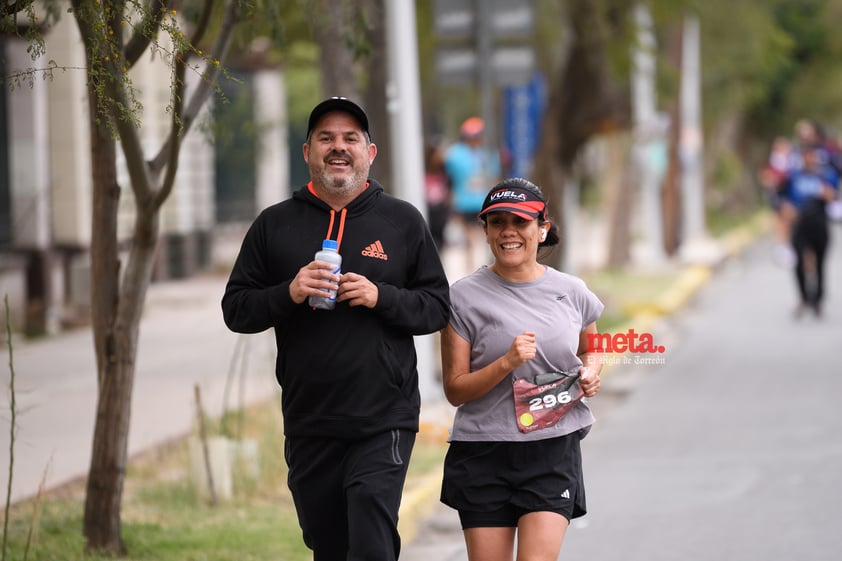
column 45, row 178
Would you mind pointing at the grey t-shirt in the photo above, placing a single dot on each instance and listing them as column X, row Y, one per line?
column 489, row 312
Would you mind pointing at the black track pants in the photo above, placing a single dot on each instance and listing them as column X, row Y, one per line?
column 347, row 494
column 811, row 234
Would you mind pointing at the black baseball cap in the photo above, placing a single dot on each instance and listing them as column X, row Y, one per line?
column 509, row 196
column 338, row 104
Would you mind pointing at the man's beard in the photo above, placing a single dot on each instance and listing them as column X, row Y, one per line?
column 345, row 185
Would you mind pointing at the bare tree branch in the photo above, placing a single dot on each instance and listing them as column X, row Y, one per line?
column 115, row 91
column 142, row 37
column 180, row 87
column 206, row 84
column 175, row 139
column 204, row 22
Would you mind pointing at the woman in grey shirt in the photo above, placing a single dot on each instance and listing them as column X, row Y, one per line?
column 514, row 462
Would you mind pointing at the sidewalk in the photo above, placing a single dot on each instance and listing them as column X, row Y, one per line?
column 183, row 342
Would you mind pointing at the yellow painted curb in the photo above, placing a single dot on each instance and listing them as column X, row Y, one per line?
column 738, row 239
column 418, row 503
column 689, row 282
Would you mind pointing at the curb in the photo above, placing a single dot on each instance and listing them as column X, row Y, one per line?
column 418, row 503
column 693, row 277
column 738, row 239
column 689, row 281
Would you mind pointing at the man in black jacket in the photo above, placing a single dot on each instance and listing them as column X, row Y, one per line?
column 349, row 384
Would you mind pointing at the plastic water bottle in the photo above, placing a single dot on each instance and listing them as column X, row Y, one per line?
column 329, row 254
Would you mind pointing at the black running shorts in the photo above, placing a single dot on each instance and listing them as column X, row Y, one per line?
column 493, row 484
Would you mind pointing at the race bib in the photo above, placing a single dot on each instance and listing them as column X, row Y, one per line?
column 541, row 400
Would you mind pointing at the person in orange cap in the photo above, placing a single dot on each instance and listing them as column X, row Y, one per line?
column 472, row 169
column 472, row 127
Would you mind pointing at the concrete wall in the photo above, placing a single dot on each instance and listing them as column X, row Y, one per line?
column 69, row 140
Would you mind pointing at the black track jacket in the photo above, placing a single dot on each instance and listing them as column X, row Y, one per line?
column 348, row 372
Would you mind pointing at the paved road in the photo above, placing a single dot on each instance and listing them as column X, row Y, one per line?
column 730, row 450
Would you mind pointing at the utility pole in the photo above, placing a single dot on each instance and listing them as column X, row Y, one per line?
column 650, row 146
column 696, row 244
column 404, row 103
column 404, row 108
column 485, row 74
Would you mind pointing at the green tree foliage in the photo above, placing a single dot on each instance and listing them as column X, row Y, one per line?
column 800, row 76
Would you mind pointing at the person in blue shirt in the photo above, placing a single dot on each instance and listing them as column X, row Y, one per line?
column 471, row 168
column 807, row 191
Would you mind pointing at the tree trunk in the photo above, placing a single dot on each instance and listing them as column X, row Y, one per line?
column 618, row 200
column 376, row 101
column 116, row 312
column 583, row 102
column 109, row 457
column 550, row 175
column 672, row 189
column 103, row 499
column 117, row 299
column 105, row 479
column 334, row 37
